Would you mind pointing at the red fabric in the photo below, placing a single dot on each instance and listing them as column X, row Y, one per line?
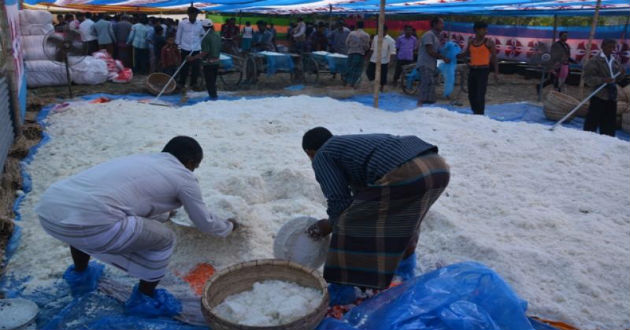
column 170, row 56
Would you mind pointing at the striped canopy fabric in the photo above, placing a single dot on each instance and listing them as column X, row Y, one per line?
column 289, row 7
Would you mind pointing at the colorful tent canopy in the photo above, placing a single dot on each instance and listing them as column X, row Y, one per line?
column 442, row 7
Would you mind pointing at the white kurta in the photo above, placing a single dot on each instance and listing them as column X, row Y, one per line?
column 146, row 186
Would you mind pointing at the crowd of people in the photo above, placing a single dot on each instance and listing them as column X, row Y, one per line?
column 167, row 42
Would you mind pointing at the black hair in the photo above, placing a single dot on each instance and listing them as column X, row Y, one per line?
column 609, row 41
column 88, row 15
column 562, row 32
column 434, row 21
column 480, row 25
column 158, row 29
column 360, row 24
column 185, row 149
column 314, row 138
column 384, row 28
column 69, row 17
column 192, row 10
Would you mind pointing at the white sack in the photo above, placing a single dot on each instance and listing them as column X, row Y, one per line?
column 44, row 73
column 29, row 16
column 90, row 71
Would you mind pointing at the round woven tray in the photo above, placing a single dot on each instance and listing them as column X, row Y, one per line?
column 242, row 276
column 556, row 105
column 156, row 81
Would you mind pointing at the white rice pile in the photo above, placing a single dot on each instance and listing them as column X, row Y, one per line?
column 269, row 303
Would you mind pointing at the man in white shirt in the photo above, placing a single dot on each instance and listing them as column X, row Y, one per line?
column 188, row 38
column 115, row 211
column 87, row 33
column 299, row 35
column 388, row 50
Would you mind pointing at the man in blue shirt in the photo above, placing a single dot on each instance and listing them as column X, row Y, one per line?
column 378, row 188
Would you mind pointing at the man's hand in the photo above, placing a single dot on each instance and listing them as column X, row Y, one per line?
column 609, row 80
column 172, row 214
column 319, row 230
column 446, row 60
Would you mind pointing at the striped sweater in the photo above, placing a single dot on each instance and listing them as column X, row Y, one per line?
column 348, row 163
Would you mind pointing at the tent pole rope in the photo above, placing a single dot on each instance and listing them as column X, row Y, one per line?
column 589, row 44
column 379, row 52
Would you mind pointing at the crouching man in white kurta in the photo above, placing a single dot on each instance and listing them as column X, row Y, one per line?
column 114, row 212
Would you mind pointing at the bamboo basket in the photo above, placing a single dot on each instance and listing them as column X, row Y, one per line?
column 241, row 277
column 556, row 105
column 156, row 81
column 625, row 122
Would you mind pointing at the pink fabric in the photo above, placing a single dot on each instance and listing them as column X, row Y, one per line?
column 564, row 71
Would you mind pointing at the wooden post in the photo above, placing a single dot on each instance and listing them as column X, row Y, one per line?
column 379, row 52
column 588, row 45
column 555, row 28
column 330, row 24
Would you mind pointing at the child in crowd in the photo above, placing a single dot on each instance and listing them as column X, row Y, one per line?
column 170, row 57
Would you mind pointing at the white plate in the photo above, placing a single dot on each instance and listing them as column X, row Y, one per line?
column 17, row 314
column 293, row 244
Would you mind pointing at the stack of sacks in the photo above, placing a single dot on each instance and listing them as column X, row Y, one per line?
column 117, row 71
column 40, row 71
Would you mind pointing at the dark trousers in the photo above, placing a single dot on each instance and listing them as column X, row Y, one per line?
column 354, row 69
column 399, row 66
column 477, row 85
column 601, row 114
column 169, row 70
column 108, row 47
column 91, row 46
column 194, row 66
column 371, row 72
column 210, row 73
column 141, row 60
column 123, row 54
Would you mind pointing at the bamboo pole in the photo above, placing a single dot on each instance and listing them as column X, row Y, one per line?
column 588, row 45
column 379, row 52
column 330, row 24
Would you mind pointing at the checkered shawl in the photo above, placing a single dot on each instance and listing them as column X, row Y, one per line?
column 370, row 236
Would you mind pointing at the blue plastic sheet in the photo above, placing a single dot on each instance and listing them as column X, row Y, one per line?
column 464, row 296
column 450, row 51
column 521, row 111
column 86, row 281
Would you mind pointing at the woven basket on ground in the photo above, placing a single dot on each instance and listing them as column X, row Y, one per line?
column 241, row 277
column 556, row 105
column 156, row 81
column 625, row 122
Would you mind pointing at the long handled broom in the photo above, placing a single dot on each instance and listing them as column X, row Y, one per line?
column 156, row 101
column 581, row 103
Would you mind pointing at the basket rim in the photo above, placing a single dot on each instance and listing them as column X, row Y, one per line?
column 261, row 262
